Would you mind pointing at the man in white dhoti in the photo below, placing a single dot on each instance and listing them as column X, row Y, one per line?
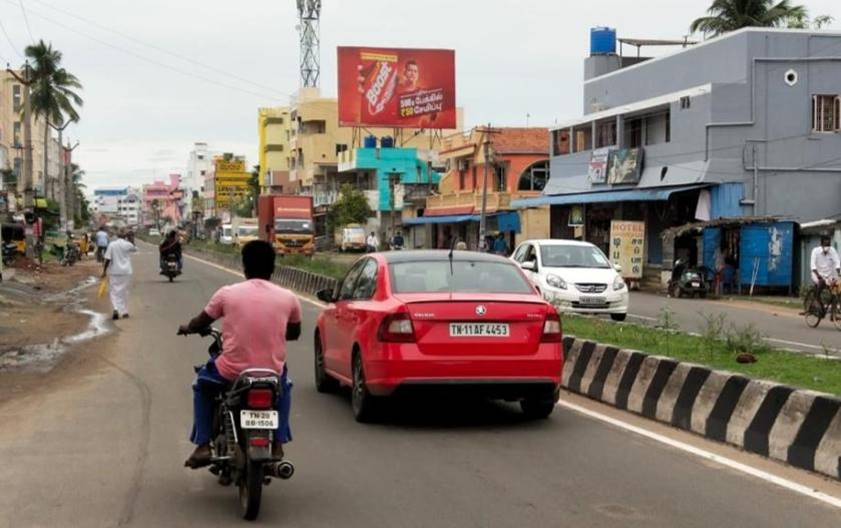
column 118, row 268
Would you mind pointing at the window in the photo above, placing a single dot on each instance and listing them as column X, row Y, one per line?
column 535, row 178
column 825, row 113
column 16, row 97
column 341, row 147
column 685, row 102
column 583, row 138
column 367, row 283
column 347, row 286
column 633, row 133
column 16, row 133
column 520, row 254
column 500, row 184
column 560, row 142
column 200, row 156
column 606, row 134
column 466, row 277
column 474, row 178
column 657, row 128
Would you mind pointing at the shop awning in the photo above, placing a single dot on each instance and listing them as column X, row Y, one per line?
column 508, row 221
column 626, row 195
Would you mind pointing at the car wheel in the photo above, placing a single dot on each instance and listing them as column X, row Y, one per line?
column 362, row 402
column 619, row 317
column 537, row 409
column 323, row 382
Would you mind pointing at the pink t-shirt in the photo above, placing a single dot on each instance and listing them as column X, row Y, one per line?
column 254, row 328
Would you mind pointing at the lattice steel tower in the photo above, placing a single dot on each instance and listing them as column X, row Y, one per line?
column 309, row 13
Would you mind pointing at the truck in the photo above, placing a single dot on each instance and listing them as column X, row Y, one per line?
column 350, row 237
column 286, row 221
column 245, row 230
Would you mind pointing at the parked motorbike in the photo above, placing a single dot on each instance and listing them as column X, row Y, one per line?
column 169, row 267
column 244, row 424
column 10, row 251
column 688, row 280
column 72, row 254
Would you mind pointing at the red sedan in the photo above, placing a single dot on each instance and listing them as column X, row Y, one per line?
column 434, row 318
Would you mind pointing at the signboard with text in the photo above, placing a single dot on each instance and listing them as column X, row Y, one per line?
column 397, row 87
column 597, row 171
column 624, row 166
column 627, row 247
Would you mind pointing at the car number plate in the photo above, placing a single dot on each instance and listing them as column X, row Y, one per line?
column 592, row 301
column 479, row 330
column 258, row 419
column 696, row 284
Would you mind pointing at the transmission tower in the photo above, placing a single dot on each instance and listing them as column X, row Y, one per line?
column 309, row 13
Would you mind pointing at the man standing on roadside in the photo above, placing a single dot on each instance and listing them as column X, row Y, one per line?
column 101, row 243
column 118, row 268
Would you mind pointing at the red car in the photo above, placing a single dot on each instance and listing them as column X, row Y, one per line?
column 457, row 319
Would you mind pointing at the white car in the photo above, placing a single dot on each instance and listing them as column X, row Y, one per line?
column 154, row 232
column 574, row 276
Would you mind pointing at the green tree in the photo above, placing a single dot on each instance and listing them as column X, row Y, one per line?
column 53, row 96
column 730, row 15
column 802, row 21
column 351, row 208
column 80, row 207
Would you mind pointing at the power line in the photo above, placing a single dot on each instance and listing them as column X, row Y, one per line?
column 153, row 61
column 26, row 20
column 9, row 40
column 158, row 48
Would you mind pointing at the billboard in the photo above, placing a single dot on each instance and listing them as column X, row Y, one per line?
column 624, row 166
column 627, row 242
column 597, row 171
column 397, row 87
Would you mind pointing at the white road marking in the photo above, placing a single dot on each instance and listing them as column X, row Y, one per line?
column 643, row 317
column 724, row 461
column 793, row 343
column 240, row 275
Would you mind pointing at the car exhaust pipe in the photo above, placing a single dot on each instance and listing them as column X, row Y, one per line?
column 282, row 470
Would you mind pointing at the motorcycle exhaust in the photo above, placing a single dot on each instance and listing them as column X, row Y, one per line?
column 282, row 470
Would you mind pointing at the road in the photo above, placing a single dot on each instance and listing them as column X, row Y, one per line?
column 102, row 442
column 782, row 327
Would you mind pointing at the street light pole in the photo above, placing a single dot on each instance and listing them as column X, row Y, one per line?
column 488, row 133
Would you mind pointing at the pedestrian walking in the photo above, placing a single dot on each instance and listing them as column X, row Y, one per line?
column 101, row 243
column 119, row 271
column 372, row 243
column 500, row 246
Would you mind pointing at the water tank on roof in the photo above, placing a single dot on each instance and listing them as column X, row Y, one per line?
column 387, row 142
column 602, row 41
column 370, row 142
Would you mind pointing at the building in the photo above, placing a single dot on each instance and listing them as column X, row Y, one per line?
column 117, row 204
column 163, row 202
column 199, row 165
column 746, row 124
column 274, row 132
column 129, row 209
column 230, row 181
column 516, row 168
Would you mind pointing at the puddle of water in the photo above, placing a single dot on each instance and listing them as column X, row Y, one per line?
column 97, row 326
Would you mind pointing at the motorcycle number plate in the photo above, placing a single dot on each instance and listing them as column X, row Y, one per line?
column 258, row 419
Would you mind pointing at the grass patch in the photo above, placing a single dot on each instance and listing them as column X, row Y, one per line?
column 318, row 264
column 808, row 372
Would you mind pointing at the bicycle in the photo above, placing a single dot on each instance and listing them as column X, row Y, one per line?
column 814, row 312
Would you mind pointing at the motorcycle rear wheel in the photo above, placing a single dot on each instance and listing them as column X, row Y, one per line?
column 251, row 490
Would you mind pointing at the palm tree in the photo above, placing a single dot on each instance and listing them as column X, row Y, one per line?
column 53, row 96
column 730, row 15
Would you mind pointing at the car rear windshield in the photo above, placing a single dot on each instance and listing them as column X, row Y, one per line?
column 466, row 277
column 293, row 226
column 247, row 231
column 561, row 256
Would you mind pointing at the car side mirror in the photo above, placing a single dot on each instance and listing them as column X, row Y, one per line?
column 325, row 295
column 529, row 265
column 618, row 268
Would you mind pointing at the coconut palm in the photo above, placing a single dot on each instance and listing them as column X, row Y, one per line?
column 730, row 15
column 52, row 96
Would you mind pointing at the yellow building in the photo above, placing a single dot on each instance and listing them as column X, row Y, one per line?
column 230, row 181
column 274, row 131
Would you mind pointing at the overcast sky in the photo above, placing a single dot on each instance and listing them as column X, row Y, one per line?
column 160, row 75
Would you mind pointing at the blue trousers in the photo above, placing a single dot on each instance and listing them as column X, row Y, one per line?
column 209, row 384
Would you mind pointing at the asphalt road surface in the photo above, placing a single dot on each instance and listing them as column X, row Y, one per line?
column 782, row 327
column 102, row 444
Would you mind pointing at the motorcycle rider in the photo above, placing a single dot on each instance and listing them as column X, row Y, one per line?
column 259, row 318
column 826, row 267
column 171, row 245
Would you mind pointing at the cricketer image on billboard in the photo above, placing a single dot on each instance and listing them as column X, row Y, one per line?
column 397, row 88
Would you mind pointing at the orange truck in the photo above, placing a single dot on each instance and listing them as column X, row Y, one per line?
column 287, row 222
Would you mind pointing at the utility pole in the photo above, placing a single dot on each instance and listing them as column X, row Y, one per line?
column 69, row 191
column 487, row 140
column 62, row 176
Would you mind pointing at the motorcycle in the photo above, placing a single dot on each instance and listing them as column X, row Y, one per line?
column 169, row 267
column 689, row 281
column 10, row 251
column 244, row 424
column 72, row 254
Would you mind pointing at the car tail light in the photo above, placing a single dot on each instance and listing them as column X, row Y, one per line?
column 260, row 399
column 552, row 332
column 397, row 328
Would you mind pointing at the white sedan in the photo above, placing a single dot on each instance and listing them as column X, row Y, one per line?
column 574, row 276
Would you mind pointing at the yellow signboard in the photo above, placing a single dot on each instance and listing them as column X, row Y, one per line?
column 627, row 247
column 230, row 166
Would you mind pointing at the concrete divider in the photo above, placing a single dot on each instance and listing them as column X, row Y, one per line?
column 800, row 427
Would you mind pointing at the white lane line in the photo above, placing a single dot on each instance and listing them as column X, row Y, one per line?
column 643, row 317
column 724, row 461
column 240, row 275
column 793, row 343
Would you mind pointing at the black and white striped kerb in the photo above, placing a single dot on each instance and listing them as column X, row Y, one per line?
column 800, row 427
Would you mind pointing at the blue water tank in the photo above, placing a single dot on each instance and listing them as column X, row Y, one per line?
column 387, row 142
column 602, row 41
column 370, row 142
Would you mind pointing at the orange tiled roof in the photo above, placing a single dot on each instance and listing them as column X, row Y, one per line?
column 531, row 140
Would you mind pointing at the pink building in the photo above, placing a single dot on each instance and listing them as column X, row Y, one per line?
column 169, row 197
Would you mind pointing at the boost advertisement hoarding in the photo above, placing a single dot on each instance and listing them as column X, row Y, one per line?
column 397, row 87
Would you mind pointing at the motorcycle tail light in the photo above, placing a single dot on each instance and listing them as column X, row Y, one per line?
column 259, row 441
column 260, row 399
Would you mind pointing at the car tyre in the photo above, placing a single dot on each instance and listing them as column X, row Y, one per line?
column 537, row 409
column 362, row 402
column 619, row 317
column 324, row 383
